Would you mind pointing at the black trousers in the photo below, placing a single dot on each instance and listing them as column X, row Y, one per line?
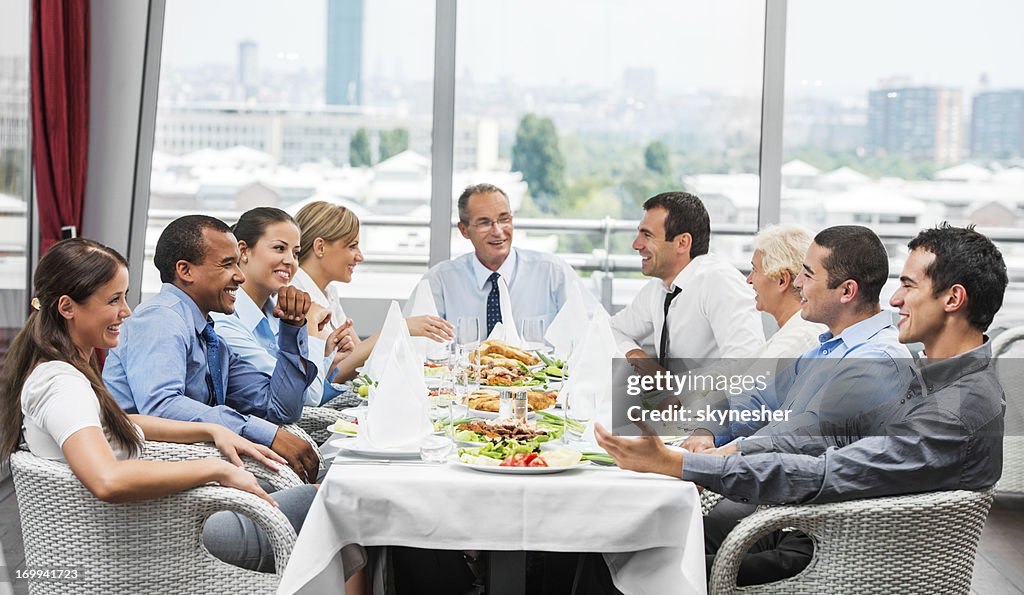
column 776, row 556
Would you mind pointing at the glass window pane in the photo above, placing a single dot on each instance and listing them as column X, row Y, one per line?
column 265, row 103
column 15, row 166
column 899, row 124
column 585, row 110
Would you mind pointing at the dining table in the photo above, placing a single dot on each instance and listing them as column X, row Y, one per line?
column 648, row 527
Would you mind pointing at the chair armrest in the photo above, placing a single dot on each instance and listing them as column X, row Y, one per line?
column 279, row 531
column 316, row 420
column 860, row 541
column 281, row 479
column 709, row 500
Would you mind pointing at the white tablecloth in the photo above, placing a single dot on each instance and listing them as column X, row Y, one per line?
column 649, row 527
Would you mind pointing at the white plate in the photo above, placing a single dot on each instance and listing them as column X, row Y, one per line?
column 522, row 470
column 350, row 447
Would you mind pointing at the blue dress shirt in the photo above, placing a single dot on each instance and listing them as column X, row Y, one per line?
column 159, row 368
column 536, row 286
column 813, row 390
column 254, row 334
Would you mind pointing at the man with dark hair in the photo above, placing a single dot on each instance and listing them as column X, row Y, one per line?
column 945, row 433
column 697, row 305
column 170, row 363
column 859, row 364
column 469, row 286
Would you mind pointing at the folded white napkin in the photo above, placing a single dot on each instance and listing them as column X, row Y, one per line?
column 589, row 386
column 398, row 416
column 393, row 329
column 506, row 329
column 570, row 323
column 422, row 304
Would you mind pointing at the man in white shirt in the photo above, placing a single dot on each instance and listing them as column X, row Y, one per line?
column 697, row 305
column 468, row 286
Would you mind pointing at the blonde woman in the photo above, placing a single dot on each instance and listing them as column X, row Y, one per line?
column 330, row 252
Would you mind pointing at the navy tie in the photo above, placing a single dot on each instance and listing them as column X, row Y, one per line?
column 214, row 378
column 663, row 353
column 493, row 303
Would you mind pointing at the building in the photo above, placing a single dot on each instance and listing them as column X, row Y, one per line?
column 918, row 123
column 343, row 82
column 997, row 124
column 248, row 68
column 294, row 136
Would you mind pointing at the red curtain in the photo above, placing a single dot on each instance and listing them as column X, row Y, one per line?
column 60, row 112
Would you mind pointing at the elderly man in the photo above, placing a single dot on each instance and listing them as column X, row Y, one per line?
column 945, row 433
column 468, row 286
column 171, row 363
column 696, row 306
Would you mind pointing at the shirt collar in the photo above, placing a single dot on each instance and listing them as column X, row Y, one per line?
column 507, row 269
column 250, row 314
column 688, row 271
column 303, row 280
column 940, row 373
column 198, row 320
column 859, row 333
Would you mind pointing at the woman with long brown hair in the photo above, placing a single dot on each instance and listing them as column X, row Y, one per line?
column 54, row 404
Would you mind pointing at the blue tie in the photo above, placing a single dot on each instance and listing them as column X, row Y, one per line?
column 493, row 304
column 214, row 378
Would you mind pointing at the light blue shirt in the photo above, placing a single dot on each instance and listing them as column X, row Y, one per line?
column 821, row 385
column 160, row 368
column 254, row 334
column 536, row 286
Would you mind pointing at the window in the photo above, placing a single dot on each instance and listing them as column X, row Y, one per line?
column 325, row 100
column 913, row 125
column 585, row 110
column 15, row 166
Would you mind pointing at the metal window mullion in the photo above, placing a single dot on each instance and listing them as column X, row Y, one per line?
column 772, row 105
column 442, row 153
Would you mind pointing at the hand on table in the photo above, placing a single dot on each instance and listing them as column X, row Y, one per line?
column 646, row 454
column 299, row 454
column 432, row 327
column 292, row 306
column 699, row 441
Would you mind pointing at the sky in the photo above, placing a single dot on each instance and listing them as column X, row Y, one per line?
column 832, row 45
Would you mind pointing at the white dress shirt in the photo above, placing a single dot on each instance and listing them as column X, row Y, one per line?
column 536, row 284
column 712, row 317
column 794, row 338
column 331, row 300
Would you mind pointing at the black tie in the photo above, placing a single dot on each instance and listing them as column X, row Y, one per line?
column 493, row 304
column 663, row 353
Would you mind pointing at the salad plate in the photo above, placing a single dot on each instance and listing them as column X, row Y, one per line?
column 355, row 448
column 522, row 470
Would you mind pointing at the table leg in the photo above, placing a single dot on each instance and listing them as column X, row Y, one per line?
column 507, row 573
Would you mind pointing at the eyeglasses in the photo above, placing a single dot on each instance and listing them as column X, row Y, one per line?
column 486, row 224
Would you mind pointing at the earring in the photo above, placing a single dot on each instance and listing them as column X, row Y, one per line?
column 245, row 260
column 321, row 255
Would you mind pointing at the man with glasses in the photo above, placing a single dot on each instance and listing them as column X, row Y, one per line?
column 469, row 286
column 697, row 306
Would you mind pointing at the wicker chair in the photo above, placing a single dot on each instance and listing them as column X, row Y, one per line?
column 1008, row 351
column 282, row 479
column 298, row 431
column 922, row 543
column 709, row 500
column 141, row 547
column 316, row 420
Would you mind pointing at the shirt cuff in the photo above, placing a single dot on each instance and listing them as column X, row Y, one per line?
column 704, row 469
column 293, row 339
column 627, row 346
column 756, row 445
column 260, row 431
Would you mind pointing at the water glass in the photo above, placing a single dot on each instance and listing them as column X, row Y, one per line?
column 578, row 409
column 467, row 331
column 532, row 331
column 436, row 449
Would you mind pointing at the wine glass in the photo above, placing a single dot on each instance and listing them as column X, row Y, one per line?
column 467, row 333
column 579, row 410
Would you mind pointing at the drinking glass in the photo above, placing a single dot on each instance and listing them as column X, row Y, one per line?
column 579, row 408
column 467, row 332
column 532, row 331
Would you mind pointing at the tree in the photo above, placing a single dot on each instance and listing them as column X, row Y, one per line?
column 656, row 158
column 536, row 155
column 393, row 142
column 359, row 149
